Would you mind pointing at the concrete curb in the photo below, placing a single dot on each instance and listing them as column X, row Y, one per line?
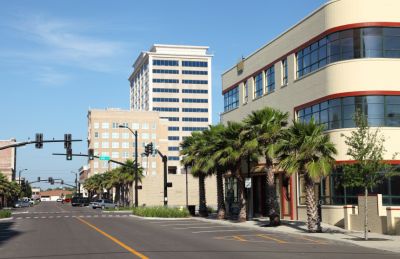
column 155, row 218
column 5, row 219
column 117, row 211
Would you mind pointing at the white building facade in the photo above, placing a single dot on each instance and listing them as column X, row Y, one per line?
column 174, row 80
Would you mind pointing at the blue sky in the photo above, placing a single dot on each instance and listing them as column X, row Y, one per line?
column 60, row 58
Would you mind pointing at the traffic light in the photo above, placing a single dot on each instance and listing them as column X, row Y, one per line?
column 51, row 180
column 91, row 154
column 38, row 179
column 149, row 149
column 67, row 141
column 39, row 140
column 62, row 182
column 69, row 154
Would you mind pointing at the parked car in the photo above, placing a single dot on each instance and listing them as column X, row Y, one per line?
column 79, row 201
column 59, row 200
column 104, row 204
column 21, row 204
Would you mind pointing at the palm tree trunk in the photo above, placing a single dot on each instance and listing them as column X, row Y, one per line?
column 220, row 196
column 242, row 201
column 271, row 192
column 202, row 197
column 118, row 194
column 312, row 215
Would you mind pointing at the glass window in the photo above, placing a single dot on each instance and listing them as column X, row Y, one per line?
column 245, row 91
column 368, row 42
column 104, row 144
column 115, row 144
column 284, row 72
column 104, row 125
column 115, row 135
column 145, row 126
column 96, row 125
column 145, row 135
column 105, row 135
column 231, row 99
column 270, row 79
column 258, row 85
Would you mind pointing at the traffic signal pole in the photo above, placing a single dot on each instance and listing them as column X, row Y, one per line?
column 165, row 161
column 136, row 170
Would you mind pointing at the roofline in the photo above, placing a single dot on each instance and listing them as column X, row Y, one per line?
column 282, row 34
column 179, row 46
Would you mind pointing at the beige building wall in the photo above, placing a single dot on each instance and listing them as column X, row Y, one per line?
column 150, row 128
column 365, row 76
column 7, row 159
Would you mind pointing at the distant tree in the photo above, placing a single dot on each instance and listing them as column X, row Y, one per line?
column 366, row 148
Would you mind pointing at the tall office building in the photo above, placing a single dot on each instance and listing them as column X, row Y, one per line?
column 174, row 80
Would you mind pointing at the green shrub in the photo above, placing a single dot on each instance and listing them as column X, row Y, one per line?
column 5, row 214
column 161, row 212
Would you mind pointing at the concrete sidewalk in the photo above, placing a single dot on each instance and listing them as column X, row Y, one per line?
column 377, row 241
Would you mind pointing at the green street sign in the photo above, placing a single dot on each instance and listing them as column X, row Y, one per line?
column 104, row 158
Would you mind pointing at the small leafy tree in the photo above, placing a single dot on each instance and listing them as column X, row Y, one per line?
column 366, row 148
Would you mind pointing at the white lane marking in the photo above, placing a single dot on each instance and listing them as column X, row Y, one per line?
column 36, row 217
column 205, row 227
column 28, row 217
column 96, row 216
column 18, row 218
column 226, row 230
column 44, row 217
column 50, row 217
column 88, row 216
column 124, row 215
column 110, row 216
column 66, row 216
column 58, row 217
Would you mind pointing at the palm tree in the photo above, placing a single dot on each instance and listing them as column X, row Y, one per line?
column 193, row 150
column 262, row 130
column 230, row 156
column 305, row 149
column 215, row 142
column 4, row 186
column 127, row 178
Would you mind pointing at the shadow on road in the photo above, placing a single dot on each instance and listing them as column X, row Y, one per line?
column 6, row 232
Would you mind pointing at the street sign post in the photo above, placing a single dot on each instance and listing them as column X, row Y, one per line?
column 247, row 183
column 104, row 158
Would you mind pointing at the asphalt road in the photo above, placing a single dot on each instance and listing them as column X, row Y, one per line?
column 54, row 230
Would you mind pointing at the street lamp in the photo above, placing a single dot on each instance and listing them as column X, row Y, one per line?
column 136, row 161
column 19, row 175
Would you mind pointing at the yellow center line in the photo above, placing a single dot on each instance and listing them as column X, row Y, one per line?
column 239, row 238
column 272, row 238
column 312, row 240
column 126, row 247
